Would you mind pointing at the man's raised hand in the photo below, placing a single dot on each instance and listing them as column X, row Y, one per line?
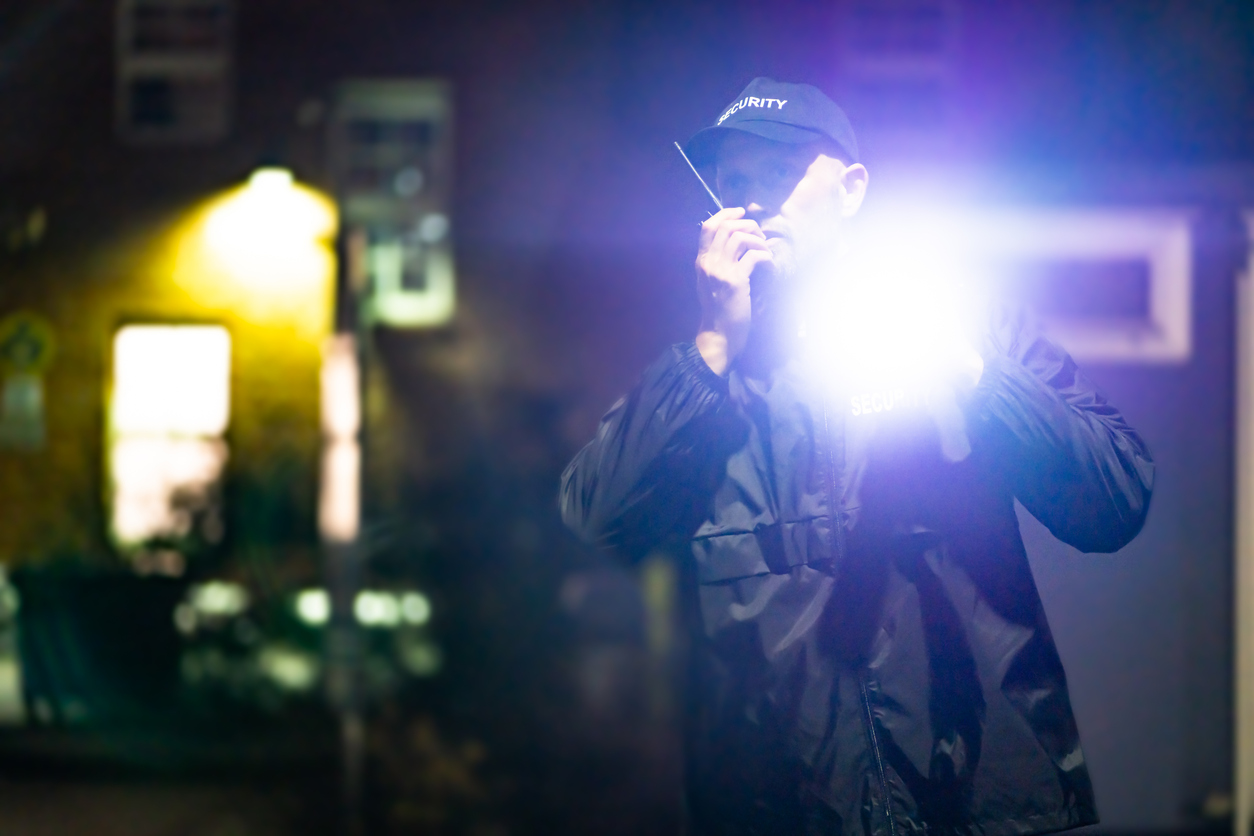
column 731, row 247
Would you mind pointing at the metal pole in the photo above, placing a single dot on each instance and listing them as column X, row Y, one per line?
column 340, row 522
column 1243, row 664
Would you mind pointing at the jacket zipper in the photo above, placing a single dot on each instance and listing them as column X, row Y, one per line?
column 838, row 542
column 879, row 760
column 833, row 500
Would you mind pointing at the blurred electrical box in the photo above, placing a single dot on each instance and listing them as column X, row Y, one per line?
column 173, row 71
column 392, row 153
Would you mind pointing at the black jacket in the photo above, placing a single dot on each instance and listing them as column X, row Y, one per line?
column 874, row 656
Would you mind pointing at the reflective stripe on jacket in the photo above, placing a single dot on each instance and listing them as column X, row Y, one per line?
column 873, row 655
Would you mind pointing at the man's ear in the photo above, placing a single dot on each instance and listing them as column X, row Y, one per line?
column 854, row 181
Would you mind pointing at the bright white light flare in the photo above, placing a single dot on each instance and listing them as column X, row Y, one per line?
column 895, row 316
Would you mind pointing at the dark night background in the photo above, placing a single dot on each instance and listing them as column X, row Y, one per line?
column 574, row 224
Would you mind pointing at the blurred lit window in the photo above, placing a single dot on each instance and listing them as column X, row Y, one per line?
column 169, row 410
column 1108, row 284
column 173, row 70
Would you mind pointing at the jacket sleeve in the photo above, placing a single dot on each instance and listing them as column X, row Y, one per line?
column 634, row 482
column 1070, row 457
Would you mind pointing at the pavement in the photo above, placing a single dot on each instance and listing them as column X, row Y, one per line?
column 102, row 808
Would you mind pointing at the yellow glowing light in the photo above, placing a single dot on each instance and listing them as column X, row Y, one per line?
column 262, row 234
column 264, row 251
column 272, row 180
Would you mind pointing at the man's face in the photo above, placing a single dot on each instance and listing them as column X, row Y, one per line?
column 796, row 193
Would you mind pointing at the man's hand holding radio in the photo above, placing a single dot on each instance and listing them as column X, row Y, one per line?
column 730, row 248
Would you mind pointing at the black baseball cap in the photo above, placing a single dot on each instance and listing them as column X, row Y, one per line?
column 779, row 111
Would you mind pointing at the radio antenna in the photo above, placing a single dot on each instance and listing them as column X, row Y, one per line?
column 700, row 179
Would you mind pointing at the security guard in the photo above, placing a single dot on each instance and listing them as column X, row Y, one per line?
column 872, row 655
